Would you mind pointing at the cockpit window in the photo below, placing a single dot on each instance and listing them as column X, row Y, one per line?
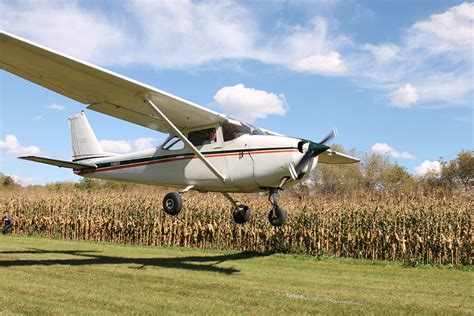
column 173, row 143
column 202, row 137
column 234, row 129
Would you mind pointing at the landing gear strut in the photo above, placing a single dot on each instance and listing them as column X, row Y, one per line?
column 241, row 212
column 277, row 215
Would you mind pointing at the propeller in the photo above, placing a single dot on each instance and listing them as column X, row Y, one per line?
column 314, row 149
column 329, row 136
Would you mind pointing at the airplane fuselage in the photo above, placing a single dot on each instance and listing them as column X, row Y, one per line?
column 250, row 163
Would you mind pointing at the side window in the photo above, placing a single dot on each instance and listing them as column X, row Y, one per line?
column 202, row 137
column 173, row 143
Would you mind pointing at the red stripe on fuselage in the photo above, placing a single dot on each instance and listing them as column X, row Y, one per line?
column 183, row 158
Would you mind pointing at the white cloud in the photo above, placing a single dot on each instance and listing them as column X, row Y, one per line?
column 227, row 30
column 38, row 118
column 56, row 107
column 249, row 104
column 65, row 26
column 126, row 146
column 181, row 33
column 454, row 26
column 405, row 97
column 12, row 146
column 428, row 166
column 304, row 47
column 144, row 143
column 385, row 149
column 329, row 64
column 172, row 34
column 21, row 181
column 434, row 55
column 185, row 33
column 448, row 88
column 384, row 52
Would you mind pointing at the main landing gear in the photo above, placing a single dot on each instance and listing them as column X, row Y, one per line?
column 277, row 215
column 241, row 212
column 173, row 201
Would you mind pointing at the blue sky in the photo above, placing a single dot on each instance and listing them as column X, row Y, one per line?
column 394, row 77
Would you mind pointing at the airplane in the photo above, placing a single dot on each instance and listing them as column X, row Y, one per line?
column 205, row 151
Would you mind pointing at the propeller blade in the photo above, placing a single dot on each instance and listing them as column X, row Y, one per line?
column 303, row 162
column 314, row 149
column 329, row 136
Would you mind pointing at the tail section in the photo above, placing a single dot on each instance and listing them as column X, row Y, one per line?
column 84, row 143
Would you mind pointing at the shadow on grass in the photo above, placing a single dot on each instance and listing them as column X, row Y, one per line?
column 196, row 263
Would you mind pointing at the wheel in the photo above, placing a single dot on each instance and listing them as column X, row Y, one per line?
column 278, row 218
column 172, row 203
column 241, row 214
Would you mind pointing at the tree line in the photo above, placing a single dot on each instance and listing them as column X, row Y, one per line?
column 377, row 173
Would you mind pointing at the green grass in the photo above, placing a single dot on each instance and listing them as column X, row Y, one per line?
column 55, row 276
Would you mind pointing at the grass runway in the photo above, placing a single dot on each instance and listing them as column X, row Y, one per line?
column 49, row 276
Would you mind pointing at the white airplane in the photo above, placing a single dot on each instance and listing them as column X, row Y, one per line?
column 205, row 150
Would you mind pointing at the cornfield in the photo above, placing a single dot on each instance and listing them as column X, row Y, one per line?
column 407, row 228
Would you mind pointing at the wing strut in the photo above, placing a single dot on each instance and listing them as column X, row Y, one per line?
column 185, row 140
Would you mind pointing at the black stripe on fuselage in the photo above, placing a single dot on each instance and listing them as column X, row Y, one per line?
column 184, row 155
column 94, row 157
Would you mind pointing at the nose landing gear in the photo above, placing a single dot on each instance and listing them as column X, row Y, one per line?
column 277, row 215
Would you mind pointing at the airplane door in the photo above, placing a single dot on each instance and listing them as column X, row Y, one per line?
column 196, row 170
column 240, row 167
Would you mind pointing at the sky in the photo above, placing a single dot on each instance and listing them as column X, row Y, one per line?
column 394, row 77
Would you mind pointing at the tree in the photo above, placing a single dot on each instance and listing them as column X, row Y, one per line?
column 7, row 181
column 337, row 178
column 395, row 176
column 373, row 167
column 459, row 171
column 87, row 184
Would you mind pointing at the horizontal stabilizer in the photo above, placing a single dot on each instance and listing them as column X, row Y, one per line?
column 60, row 163
column 334, row 157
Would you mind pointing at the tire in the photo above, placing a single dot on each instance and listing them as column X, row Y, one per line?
column 279, row 218
column 241, row 214
column 172, row 203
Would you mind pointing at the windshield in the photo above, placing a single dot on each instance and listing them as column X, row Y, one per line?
column 232, row 129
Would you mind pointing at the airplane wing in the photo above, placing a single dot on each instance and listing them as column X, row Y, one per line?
column 60, row 163
column 104, row 91
column 334, row 157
